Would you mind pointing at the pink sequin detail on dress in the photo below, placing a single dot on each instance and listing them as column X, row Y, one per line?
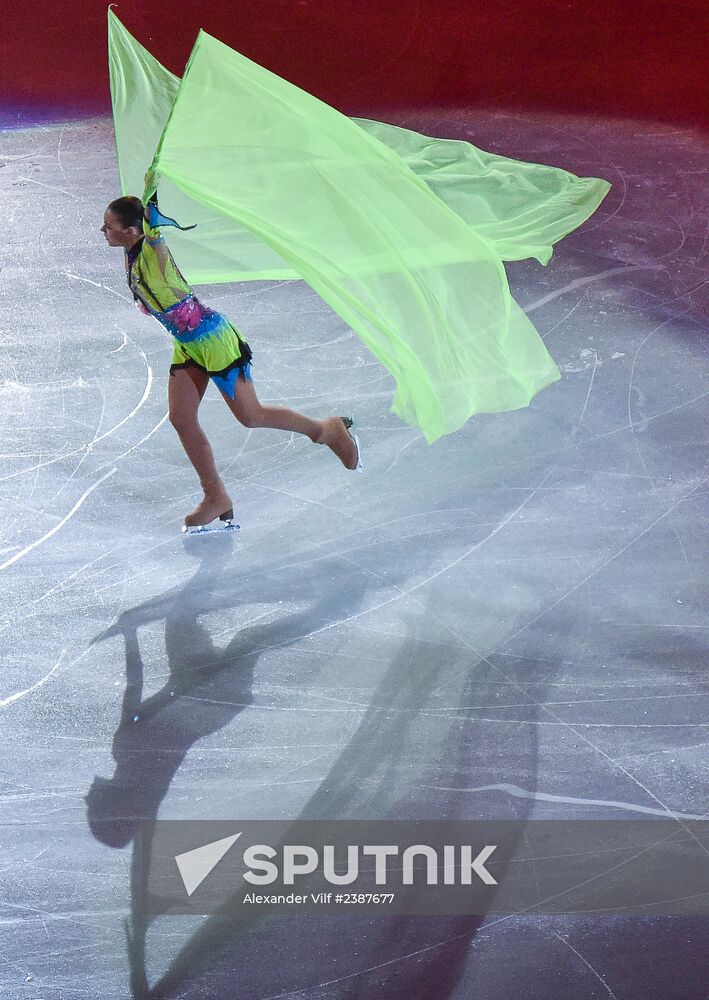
column 187, row 315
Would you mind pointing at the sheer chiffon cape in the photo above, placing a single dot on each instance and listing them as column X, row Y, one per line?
column 403, row 235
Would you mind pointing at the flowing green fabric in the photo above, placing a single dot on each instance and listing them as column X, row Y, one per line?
column 402, row 235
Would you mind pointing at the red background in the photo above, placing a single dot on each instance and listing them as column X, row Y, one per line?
column 645, row 58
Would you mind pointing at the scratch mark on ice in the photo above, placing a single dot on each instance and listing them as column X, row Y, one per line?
column 21, row 694
column 40, row 541
column 526, row 793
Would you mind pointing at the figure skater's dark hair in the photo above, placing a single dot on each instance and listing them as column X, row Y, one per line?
column 128, row 210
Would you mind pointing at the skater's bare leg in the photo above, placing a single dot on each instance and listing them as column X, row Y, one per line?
column 248, row 410
column 251, row 413
column 186, row 388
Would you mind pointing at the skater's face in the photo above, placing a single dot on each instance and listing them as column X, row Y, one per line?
column 118, row 235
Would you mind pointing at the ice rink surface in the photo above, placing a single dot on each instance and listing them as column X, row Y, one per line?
column 509, row 623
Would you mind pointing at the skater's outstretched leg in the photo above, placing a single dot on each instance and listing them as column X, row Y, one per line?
column 332, row 431
column 186, row 389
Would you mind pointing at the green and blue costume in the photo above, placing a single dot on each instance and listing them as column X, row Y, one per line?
column 201, row 336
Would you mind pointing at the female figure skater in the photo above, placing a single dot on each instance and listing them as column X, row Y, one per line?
column 205, row 345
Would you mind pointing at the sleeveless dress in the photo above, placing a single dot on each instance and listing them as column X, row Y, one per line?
column 201, row 336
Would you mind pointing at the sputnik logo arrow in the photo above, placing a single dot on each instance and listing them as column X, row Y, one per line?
column 195, row 865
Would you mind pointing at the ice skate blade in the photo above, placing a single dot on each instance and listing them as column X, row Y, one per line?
column 209, row 529
column 359, row 467
column 350, row 428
